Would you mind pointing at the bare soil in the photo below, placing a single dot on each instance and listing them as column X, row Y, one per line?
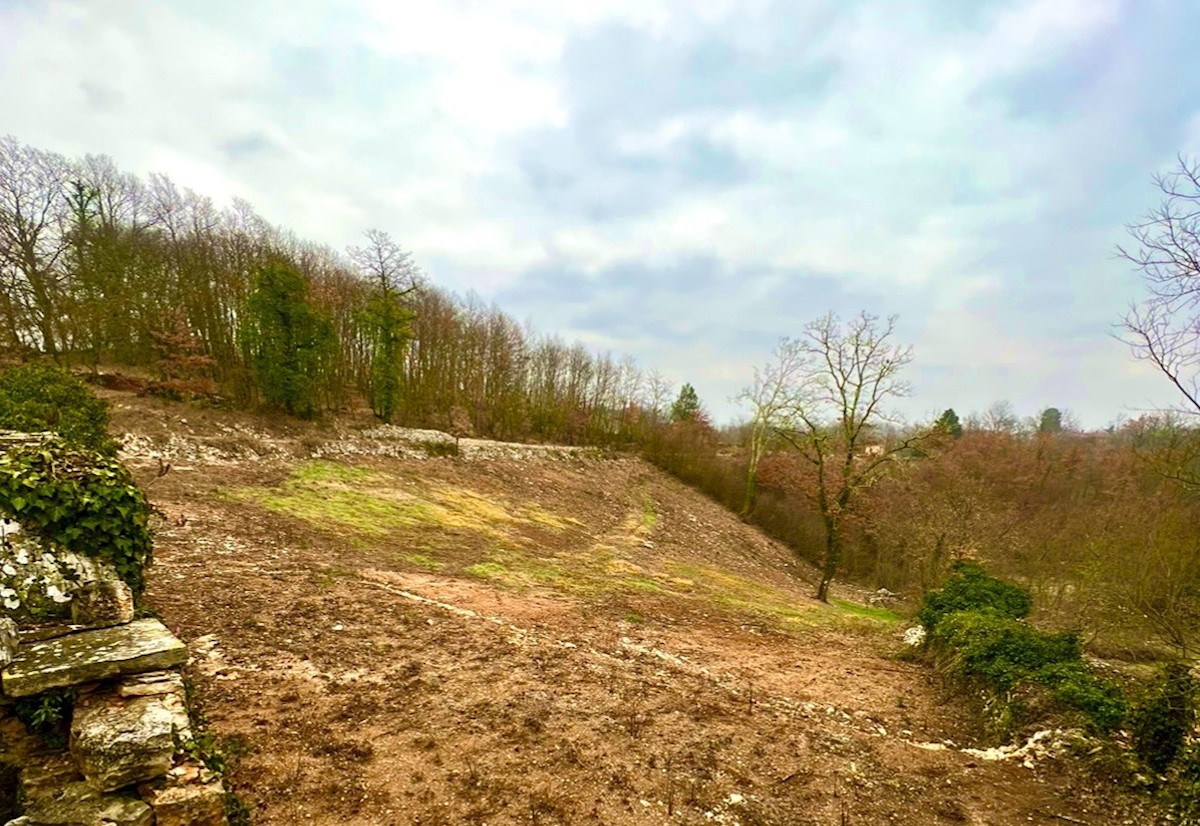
column 540, row 639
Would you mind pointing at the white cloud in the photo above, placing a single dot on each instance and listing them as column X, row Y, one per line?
column 898, row 173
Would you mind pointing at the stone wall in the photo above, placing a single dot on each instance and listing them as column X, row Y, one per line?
column 94, row 726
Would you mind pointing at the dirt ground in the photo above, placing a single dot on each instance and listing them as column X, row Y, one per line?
column 540, row 639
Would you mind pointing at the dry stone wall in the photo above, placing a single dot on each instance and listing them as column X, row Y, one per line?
column 71, row 648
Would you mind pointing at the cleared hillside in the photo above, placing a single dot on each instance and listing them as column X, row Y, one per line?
column 537, row 637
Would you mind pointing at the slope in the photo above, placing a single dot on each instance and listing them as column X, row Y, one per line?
column 537, row 636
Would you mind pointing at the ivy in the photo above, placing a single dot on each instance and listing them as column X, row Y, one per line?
column 83, row 500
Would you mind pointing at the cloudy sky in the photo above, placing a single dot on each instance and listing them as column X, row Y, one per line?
column 680, row 180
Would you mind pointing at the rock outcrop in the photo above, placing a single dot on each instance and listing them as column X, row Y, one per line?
column 126, row 763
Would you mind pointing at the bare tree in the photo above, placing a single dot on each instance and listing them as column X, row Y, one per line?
column 770, row 397
column 33, row 220
column 840, row 376
column 390, row 269
column 1165, row 328
column 1000, row 417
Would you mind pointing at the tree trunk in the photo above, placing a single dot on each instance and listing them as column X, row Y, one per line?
column 751, row 493
column 833, row 556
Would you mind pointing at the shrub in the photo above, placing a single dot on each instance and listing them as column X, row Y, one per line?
column 84, row 500
column 998, row 650
column 1162, row 719
column 1073, row 686
column 975, row 625
column 48, row 715
column 39, row 397
column 1182, row 793
column 971, row 588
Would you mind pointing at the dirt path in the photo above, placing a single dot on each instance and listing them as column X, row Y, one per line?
column 551, row 641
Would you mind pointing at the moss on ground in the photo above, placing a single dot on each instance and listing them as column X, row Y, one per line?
column 427, row 526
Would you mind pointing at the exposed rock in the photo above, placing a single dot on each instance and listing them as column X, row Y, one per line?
column 17, row 745
column 198, row 804
column 102, row 602
column 56, row 795
column 38, row 633
column 38, row 578
column 9, row 640
column 78, row 804
column 88, row 656
column 151, row 683
column 117, row 741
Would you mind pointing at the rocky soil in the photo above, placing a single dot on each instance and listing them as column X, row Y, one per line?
column 542, row 636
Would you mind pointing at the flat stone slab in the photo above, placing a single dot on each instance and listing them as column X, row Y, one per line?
column 89, row 656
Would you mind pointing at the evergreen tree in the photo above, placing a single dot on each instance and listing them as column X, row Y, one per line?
column 388, row 326
column 1051, row 421
column 687, row 407
column 285, row 340
column 950, row 424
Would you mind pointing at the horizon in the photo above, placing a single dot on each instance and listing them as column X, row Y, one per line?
column 680, row 183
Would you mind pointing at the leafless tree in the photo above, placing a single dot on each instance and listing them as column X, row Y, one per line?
column 390, row 269
column 771, row 399
column 33, row 237
column 1164, row 329
column 840, row 377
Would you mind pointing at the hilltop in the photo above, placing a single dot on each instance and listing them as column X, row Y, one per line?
column 518, row 635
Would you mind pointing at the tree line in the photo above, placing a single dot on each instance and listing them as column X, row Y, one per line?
column 101, row 267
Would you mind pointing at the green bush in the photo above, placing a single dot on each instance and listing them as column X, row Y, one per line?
column 39, row 397
column 48, row 715
column 1021, row 669
column 998, row 650
column 1163, row 718
column 1182, row 792
column 1014, row 663
column 971, row 588
column 84, row 500
column 1073, row 686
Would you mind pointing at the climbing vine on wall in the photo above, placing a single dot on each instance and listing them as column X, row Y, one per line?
column 83, row 500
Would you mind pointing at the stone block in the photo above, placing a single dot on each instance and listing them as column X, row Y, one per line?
column 9, row 640
column 197, row 804
column 151, row 683
column 117, row 741
column 103, row 602
column 56, row 795
column 89, row 656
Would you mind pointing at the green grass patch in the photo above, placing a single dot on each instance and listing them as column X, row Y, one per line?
column 640, row 583
column 866, row 611
column 334, row 495
column 423, row 561
column 649, row 514
column 486, row 570
column 322, row 471
column 332, row 507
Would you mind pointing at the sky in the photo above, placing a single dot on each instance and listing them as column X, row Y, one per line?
column 683, row 181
